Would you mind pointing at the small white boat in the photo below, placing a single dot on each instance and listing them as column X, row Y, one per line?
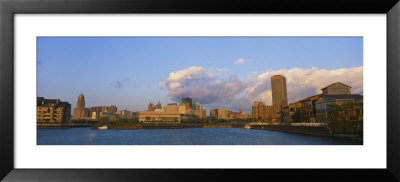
column 104, row 127
column 247, row 126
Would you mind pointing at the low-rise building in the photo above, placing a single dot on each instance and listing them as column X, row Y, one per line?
column 214, row 113
column 265, row 113
column 159, row 115
column 52, row 111
column 223, row 113
column 201, row 113
column 353, row 111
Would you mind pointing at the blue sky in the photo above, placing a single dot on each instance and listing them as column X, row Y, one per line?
column 129, row 72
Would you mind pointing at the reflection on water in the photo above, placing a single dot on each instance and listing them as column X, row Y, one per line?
column 187, row 136
column 92, row 137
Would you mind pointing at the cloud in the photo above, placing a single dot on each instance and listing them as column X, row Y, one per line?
column 206, row 87
column 239, row 61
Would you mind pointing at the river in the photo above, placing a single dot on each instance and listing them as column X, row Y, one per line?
column 187, row 136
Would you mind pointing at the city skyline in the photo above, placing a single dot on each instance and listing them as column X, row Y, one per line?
column 218, row 72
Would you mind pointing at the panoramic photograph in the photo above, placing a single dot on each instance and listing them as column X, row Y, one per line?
column 199, row 91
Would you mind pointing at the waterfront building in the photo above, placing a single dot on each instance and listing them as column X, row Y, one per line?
column 94, row 115
column 200, row 113
column 279, row 90
column 336, row 89
column 184, row 108
column 308, row 108
column 187, row 100
column 290, row 110
column 80, row 112
column 107, row 115
column 52, row 111
column 159, row 115
column 265, row 113
column 352, row 112
column 243, row 115
column 171, row 107
column 223, row 113
column 317, row 107
column 109, row 109
column 214, row 113
column 124, row 114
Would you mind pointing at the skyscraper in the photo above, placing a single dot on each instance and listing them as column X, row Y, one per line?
column 279, row 92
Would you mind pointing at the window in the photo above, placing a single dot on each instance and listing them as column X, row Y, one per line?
column 337, row 90
column 331, row 90
column 344, row 89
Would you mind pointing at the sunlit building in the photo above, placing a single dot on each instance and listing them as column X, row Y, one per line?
column 159, row 115
column 80, row 112
column 200, row 113
column 52, row 111
column 279, row 90
column 214, row 113
column 223, row 113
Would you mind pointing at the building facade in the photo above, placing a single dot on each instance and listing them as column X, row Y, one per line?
column 171, row 107
column 159, row 115
column 80, row 112
column 214, row 113
column 200, row 113
column 336, row 89
column 223, row 113
column 187, row 100
column 352, row 111
column 265, row 113
column 52, row 111
column 279, row 90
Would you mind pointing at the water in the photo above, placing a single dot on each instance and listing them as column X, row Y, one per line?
column 187, row 136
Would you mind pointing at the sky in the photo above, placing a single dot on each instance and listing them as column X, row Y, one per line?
column 229, row 72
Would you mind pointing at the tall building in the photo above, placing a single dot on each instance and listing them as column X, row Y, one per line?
column 279, row 91
column 80, row 112
column 52, row 111
column 187, row 100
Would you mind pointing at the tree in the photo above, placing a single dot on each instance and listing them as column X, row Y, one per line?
column 337, row 115
column 297, row 116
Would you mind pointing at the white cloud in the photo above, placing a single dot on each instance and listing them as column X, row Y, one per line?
column 205, row 86
column 239, row 61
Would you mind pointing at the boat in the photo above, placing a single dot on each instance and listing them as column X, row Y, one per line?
column 104, row 127
column 247, row 126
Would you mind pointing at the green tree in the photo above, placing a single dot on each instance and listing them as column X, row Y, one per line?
column 297, row 116
column 337, row 115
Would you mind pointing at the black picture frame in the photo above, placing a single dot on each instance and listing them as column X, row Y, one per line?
column 8, row 8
